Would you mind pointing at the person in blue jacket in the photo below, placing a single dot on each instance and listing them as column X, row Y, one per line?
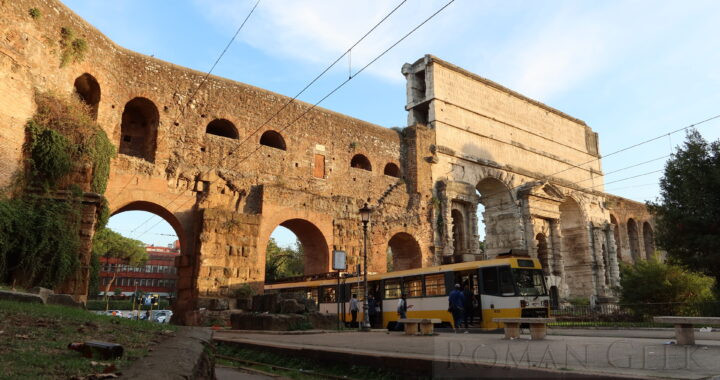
column 457, row 303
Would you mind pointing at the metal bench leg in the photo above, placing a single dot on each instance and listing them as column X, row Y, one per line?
column 685, row 334
column 512, row 330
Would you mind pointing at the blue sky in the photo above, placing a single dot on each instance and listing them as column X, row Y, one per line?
column 631, row 70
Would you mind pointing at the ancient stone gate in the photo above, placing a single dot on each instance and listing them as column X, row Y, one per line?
column 220, row 162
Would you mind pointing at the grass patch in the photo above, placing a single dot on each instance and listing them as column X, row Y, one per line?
column 319, row 368
column 34, row 339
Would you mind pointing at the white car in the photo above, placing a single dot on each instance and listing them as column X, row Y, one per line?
column 114, row 313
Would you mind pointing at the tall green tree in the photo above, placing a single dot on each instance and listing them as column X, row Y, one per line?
column 283, row 262
column 110, row 244
column 688, row 210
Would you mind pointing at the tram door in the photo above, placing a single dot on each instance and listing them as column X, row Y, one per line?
column 469, row 279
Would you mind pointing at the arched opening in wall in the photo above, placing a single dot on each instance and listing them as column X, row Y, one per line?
column 392, row 170
column 222, row 128
column 458, row 231
column 649, row 240
column 633, row 238
column 137, row 251
column 296, row 247
column 542, row 253
column 273, row 139
column 616, row 236
column 360, row 162
column 138, row 132
column 403, row 252
column 88, row 89
column 497, row 218
column 575, row 249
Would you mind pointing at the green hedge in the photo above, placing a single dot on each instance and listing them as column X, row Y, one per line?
column 123, row 305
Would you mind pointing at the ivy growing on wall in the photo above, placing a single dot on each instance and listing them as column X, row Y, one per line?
column 65, row 149
column 72, row 48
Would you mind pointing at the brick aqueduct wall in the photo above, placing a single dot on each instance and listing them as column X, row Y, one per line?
column 225, row 191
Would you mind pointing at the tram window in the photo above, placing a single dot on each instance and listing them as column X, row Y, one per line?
column 435, row 285
column 328, row 294
column 312, row 293
column 413, row 286
column 490, row 280
column 359, row 291
column 392, row 288
column 506, row 283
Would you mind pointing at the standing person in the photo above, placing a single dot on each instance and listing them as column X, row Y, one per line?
column 468, row 305
column 372, row 312
column 353, row 309
column 456, row 307
column 402, row 309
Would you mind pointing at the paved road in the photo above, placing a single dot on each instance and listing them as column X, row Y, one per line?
column 632, row 353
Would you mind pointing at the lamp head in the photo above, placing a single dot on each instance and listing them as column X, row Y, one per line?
column 365, row 213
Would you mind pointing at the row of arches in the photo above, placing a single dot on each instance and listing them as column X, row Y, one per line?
column 359, row 161
column 140, row 120
column 634, row 230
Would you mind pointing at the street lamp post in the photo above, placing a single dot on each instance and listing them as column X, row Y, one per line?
column 365, row 217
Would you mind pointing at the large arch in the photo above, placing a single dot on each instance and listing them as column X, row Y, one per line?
column 273, row 139
column 649, row 240
column 405, row 250
column 138, row 131
column 616, row 235
column 633, row 239
column 575, row 248
column 160, row 211
column 315, row 247
column 88, row 89
column 499, row 217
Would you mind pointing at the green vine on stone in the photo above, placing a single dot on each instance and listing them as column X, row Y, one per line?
column 34, row 13
column 73, row 49
column 66, row 154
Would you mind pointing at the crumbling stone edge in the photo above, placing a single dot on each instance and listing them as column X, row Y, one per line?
column 187, row 355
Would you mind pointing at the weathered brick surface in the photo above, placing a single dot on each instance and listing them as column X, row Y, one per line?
column 225, row 196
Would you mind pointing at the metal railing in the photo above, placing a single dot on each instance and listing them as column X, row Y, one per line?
column 630, row 315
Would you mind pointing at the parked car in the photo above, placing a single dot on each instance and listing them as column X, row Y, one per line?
column 163, row 316
column 114, row 313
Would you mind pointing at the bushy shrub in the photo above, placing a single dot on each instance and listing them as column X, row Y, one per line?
column 656, row 288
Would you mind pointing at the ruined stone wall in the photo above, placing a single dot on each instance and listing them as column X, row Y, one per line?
column 632, row 245
column 222, row 194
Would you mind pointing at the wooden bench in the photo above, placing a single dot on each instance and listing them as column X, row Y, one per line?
column 538, row 327
column 684, row 333
column 425, row 325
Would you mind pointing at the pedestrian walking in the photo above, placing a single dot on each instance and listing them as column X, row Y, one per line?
column 353, row 309
column 402, row 309
column 372, row 311
column 456, row 306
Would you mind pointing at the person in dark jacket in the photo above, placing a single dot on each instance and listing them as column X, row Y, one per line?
column 457, row 305
column 468, row 305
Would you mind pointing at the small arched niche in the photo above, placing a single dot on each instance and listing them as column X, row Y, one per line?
column 222, row 128
column 273, row 139
column 360, row 162
column 88, row 89
column 392, row 170
column 138, row 132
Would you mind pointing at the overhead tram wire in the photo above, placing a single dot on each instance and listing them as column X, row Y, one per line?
column 205, row 78
column 573, row 166
column 342, row 84
column 294, row 98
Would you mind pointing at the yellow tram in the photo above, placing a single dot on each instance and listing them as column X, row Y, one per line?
column 504, row 287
